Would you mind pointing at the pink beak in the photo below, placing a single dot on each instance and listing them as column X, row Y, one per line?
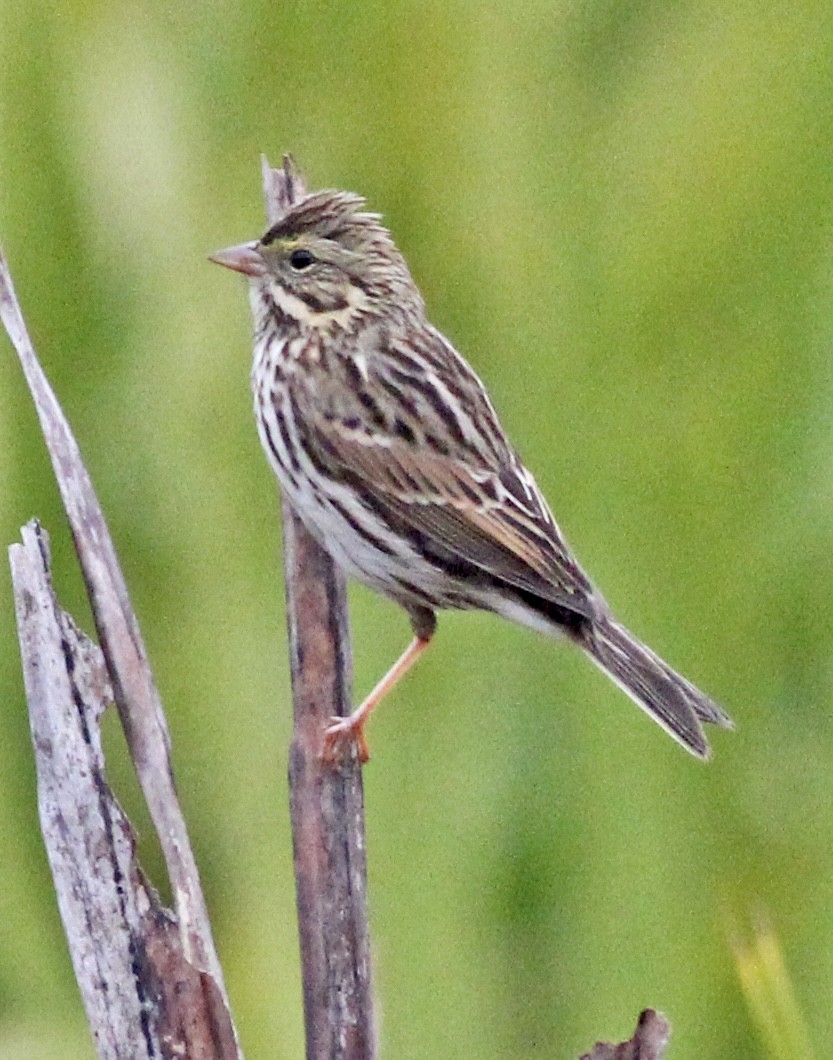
column 244, row 258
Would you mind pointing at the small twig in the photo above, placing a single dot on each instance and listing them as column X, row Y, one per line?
column 648, row 1042
column 326, row 802
column 143, row 999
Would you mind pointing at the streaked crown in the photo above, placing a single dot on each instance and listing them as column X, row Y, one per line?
column 328, row 260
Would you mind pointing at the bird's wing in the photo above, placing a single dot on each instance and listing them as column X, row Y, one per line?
column 480, row 506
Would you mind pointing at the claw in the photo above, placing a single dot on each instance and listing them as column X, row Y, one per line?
column 340, row 734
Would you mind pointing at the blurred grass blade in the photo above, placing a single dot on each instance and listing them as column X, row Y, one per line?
column 770, row 995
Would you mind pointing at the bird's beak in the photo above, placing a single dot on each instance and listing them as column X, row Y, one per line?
column 244, row 258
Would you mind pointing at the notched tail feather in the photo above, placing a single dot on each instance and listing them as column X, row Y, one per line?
column 672, row 701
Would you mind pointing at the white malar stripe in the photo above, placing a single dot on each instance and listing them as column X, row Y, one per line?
column 300, row 311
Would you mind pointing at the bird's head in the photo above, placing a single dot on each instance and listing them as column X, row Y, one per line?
column 326, row 262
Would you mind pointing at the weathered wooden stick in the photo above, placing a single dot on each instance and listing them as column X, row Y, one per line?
column 144, row 1000
column 326, row 801
column 649, row 1041
column 121, row 641
column 127, row 667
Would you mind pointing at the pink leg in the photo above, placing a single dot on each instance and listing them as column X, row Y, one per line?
column 352, row 727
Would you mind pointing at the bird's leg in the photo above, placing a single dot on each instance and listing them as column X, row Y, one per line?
column 352, row 727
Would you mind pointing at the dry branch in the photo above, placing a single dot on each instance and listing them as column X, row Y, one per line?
column 326, row 802
column 142, row 996
column 648, row 1043
column 158, row 958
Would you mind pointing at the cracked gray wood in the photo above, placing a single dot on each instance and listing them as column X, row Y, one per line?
column 134, row 689
column 171, row 964
column 143, row 997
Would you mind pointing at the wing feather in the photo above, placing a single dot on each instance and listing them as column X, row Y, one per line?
column 481, row 506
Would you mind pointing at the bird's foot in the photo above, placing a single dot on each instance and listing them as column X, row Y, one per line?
column 341, row 733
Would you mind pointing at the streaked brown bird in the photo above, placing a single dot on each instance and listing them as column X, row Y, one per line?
column 386, row 444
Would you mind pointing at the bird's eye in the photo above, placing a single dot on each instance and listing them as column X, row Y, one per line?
column 301, row 259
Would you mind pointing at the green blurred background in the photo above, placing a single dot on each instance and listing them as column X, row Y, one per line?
column 621, row 213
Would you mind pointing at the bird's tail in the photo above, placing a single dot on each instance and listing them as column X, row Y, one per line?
column 674, row 703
